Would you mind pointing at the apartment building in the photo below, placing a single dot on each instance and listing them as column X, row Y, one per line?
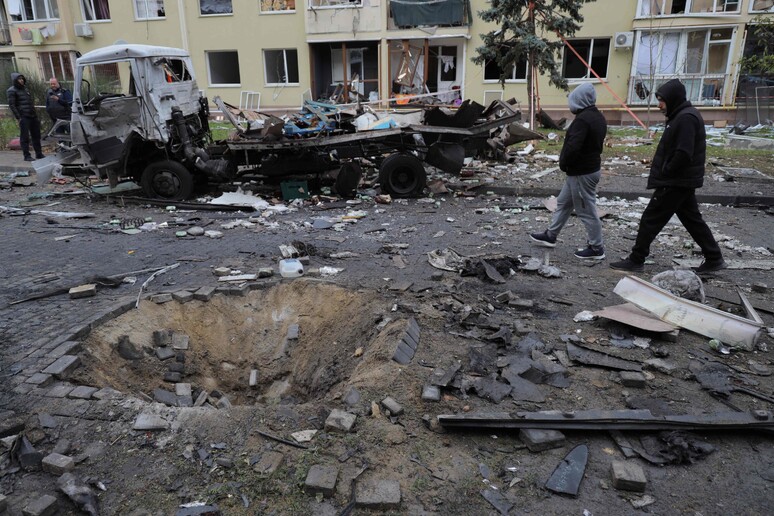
column 270, row 54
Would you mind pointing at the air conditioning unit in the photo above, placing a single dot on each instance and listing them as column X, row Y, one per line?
column 83, row 30
column 623, row 40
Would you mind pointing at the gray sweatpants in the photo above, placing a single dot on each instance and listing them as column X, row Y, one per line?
column 579, row 193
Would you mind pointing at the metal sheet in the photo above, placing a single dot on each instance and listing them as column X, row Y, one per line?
column 629, row 314
column 567, row 476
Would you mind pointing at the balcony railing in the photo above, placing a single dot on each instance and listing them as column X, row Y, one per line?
column 5, row 34
column 406, row 14
column 701, row 90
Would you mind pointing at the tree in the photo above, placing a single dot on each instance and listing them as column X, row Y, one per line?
column 527, row 32
column 759, row 59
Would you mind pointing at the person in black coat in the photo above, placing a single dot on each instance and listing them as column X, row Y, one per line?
column 581, row 160
column 58, row 101
column 22, row 106
column 676, row 172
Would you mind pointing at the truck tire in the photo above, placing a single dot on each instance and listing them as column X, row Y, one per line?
column 402, row 175
column 167, row 180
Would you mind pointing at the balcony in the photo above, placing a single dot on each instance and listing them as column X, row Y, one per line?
column 701, row 90
column 408, row 14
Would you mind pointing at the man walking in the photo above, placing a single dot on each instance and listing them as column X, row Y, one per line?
column 675, row 174
column 22, row 106
column 58, row 101
column 581, row 160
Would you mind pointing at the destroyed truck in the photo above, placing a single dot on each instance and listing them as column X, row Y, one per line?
column 138, row 114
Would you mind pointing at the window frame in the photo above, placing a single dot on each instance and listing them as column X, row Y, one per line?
column 83, row 12
column 49, row 55
column 216, row 14
column 589, row 59
column 688, row 6
column 207, row 54
column 149, row 18
column 50, row 5
column 512, row 80
column 751, row 10
column 285, row 61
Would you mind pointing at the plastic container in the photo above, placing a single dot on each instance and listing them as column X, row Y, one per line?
column 291, row 268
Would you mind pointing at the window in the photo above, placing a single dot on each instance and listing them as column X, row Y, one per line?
column 32, row 10
column 281, row 66
column 95, row 10
column 335, row 3
column 149, row 9
column 594, row 51
column 762, row 6
column 210, row 7
column 683, row 7
column 518, row 72
column 223, row 68
column 269, row 6
column 56, row 64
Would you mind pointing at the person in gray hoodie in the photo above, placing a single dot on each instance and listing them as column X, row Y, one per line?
column 581, row 160
column 22, row 106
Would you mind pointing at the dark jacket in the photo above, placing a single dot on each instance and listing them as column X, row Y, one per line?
column 58, row 109
column 20, row 99
column 582, row 150
column 682, row 151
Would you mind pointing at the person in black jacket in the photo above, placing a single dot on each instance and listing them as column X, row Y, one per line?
column 58, row 101
column 22, row 106
column 581, row 160
column 676, row 172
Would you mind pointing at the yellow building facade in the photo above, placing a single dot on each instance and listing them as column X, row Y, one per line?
column 271, row 54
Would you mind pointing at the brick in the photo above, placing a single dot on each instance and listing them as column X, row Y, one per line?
column 223, row 403
column 409, row 341
column 375, row 494
column 46, row 505
column 633, row 379
column 321, row 479
column 180, row 341
column 393, row 406
column 162, row 338
column 269, row 462
column 60, row 390
column 40, row 380
column 165, row 397
column 253, row 380
column 201, row 399
column 341, row 421
column 88, row 290
column 160, row 299
column 47, row 421
column 628, row 476
column 69, row 347
column 538, row 440
column 176, row 367
column 172, row 377
column 293, row 331
column 165, row 353
column 204, row 293
column 431, row 393
column 660, row 365
column 147, row 422
column 238, row 291
column 63, row 366
column 107, row 393
column 182, row 296
column 183, row 389
column 82, row 392
column 185, row 401
column 57, row 464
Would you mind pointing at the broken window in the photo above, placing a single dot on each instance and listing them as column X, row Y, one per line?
column 56, row 64
column 105, row 79
column 594, row 51
column 518, row 72
column 32, row 10
column 657, row 53
column 281, row 66
column 223, row 67
column 268, row 6
column 95, row 10
column 149, row 9
column 210, row 7
column 762, row 6
column 335, row 3
column 680, row 7
column 174, row 69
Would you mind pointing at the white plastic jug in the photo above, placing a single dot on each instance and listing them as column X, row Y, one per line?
column 291, row 268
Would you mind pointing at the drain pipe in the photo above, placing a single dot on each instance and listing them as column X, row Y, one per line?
column 215, row 169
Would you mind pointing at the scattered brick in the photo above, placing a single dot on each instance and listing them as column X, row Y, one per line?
column 61, row 390
column 160, row 299
column 88, row 290
column 165, row 353
column 393, row 406
column 107, row 393
column 204, row 293
column 58, row 464
column 321, row 479
column 382, row 495
column 182, row 296
column 150, row 422
column 339, row 420
column 46, row 505
column 40, row 379
column 63, row 366
column 269, row 462
column 633, row 379
column 628, row 476
column 538, row 440
column 183, row 389
column 431, row 393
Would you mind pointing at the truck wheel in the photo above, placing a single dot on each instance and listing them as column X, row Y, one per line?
column 167, row 180
column 402, row 175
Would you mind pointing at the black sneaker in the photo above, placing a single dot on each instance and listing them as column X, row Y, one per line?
column 591, row 253
column 628, row 265
column 543, row 239
column 710, row 266
column 40, row 156
column 29, row 158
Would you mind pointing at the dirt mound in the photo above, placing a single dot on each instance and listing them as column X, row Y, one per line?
column 300, row 336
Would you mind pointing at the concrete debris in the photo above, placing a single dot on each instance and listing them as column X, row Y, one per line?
column 682, row 283
column 80, row 494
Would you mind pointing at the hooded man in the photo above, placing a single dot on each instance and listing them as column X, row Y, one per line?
column 581, row 160
column 676, row 172
column 22, row 106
